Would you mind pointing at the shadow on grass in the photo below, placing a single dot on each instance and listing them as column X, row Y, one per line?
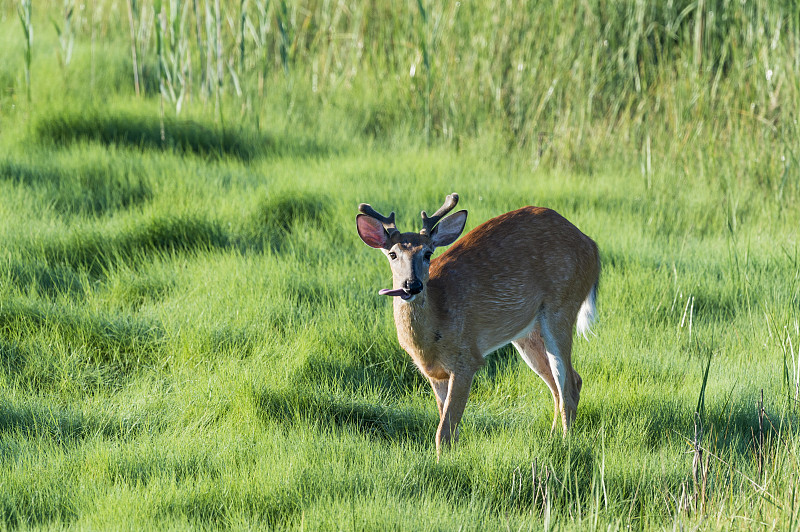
column 179, row 135
column 727, row 428
column 61, row 425
column 394, row 376
column 90, row 189
column 391, row 371
column 55, row 261
column 299, row 406
column 13, row 356
column 49, row 280
column 97, row 252
column 276, row 217
column 122, row 343
column 283, row 210
column 304, row 403
column 134, row 291
column 269, row 508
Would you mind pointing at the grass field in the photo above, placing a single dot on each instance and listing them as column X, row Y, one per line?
column 190, row 331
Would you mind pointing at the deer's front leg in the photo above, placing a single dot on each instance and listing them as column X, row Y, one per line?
column 440, row 391
column 457, row 393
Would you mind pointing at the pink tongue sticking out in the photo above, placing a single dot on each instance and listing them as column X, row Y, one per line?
column 392, row 292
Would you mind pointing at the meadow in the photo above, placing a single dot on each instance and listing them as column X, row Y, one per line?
column 190, row 331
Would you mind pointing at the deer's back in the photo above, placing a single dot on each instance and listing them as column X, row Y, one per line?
column 503, row 272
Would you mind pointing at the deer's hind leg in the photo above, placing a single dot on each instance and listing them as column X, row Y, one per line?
column 532, row 350
column 556, row 331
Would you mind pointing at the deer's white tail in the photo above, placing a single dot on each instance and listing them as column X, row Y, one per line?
column 587, row 314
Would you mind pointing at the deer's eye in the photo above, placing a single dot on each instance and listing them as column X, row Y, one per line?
column 392, row 255
column 428, row 255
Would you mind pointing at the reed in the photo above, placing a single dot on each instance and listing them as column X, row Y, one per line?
column 557, row 79
column 66, row 35
column 24, row 11
column 131, row 4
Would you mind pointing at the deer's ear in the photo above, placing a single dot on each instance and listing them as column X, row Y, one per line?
column 448, row 230
column 371, row 231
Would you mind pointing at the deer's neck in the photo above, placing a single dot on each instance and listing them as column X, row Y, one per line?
column 415, row 326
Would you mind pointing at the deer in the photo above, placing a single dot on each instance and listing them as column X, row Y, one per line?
column 526, row 277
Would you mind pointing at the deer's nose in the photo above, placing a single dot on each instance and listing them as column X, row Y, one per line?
column 412, row 287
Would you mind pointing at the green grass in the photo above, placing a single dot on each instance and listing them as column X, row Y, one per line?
column 190, row 331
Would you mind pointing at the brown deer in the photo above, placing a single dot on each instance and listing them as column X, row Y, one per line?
column 524, row 277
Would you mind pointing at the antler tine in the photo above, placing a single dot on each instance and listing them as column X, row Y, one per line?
column 387, row 221
column 428, row 223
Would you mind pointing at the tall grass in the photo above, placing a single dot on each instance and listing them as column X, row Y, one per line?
column 556, row 78
column 24, row 10
column 134, row 58
column 66, row 35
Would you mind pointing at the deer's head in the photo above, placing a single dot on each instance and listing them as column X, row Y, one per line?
column 410, row 254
